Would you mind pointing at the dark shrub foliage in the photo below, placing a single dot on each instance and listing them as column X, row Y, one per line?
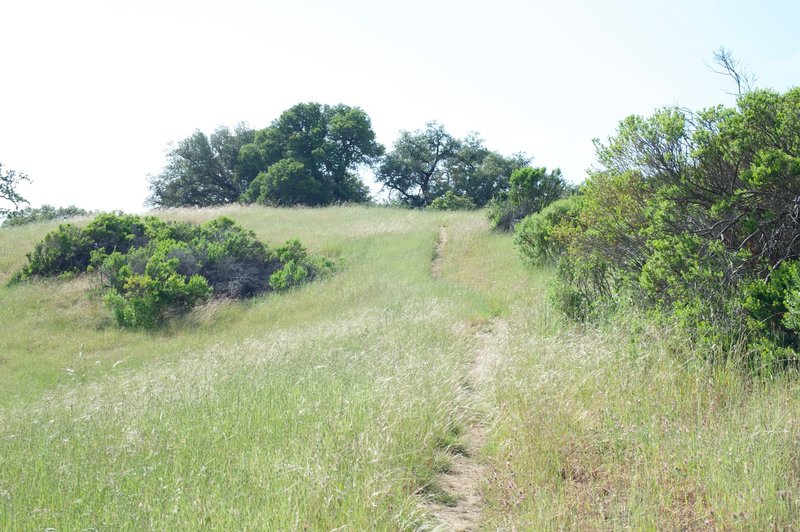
column 153, row 270
column 696, row 216
column 452, row 202
column 235, row 263
column 532, row 189
column 69, row 248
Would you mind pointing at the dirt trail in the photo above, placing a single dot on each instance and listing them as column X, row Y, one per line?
column 465, row 479
column 463, row 482
column 436, row 264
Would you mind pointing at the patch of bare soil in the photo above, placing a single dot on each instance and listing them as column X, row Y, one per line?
column 464, row 481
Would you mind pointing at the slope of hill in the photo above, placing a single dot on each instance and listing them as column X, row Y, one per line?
column 376, row 399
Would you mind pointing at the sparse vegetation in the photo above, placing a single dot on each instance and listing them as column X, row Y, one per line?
column 10, row 198
column 452, row 202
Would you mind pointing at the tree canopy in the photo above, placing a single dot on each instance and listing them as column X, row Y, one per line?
column 202, row 170
column 9, row 180
column 314, row 154
column 311, row 155
column 426, row 164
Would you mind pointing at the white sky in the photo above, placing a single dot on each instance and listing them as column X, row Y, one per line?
column 93, row 92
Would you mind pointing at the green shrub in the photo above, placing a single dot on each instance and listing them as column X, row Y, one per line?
column 44, row 213
column 692, row 216
column 67, row 249
column 115, row 232
column 532, row 189
column 298, row 267
column 502, row 213
column 153, row 270
column 774, row 304
column 161, row 291
column 452, row 202
column 542, row 237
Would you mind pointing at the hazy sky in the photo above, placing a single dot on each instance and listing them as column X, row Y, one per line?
column 93, row 92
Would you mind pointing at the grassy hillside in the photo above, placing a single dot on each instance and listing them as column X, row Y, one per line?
column 336, row 404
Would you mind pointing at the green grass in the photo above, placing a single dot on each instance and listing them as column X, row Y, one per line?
column 335, row 404
column 317, row 408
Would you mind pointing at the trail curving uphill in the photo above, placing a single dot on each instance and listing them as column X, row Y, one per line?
column 463, row 482
column 438, row 253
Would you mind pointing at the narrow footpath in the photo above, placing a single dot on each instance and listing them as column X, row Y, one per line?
column 463, row 482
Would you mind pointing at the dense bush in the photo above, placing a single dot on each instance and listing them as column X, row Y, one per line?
column 774, row 304
column 153, row 283
column 531, row 190
column 452, row 202
column 153, row 270
column 69, row 248
column 287, row 182
column 695, row 216
column 541, row 236
column 44, row 213
column 65, row 250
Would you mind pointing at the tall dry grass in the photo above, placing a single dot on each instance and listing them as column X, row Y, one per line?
column 333, row 405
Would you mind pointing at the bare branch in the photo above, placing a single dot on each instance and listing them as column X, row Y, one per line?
column 727, row 65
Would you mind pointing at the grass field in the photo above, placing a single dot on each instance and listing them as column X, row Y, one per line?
column 335, row 405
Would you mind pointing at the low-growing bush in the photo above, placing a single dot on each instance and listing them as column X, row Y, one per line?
column 235, row 263
column 774, row 303
column 166, row 287
column 452, row 202
column 542, row 237
column 298, row 266
column 532, row 189
column 44, row 213
column 153, row 270
column 69, row 248
column 694, row 217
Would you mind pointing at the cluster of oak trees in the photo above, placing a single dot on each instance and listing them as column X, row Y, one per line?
column 314, row 154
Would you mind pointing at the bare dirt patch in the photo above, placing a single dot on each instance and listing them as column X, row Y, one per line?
column 463, row 483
